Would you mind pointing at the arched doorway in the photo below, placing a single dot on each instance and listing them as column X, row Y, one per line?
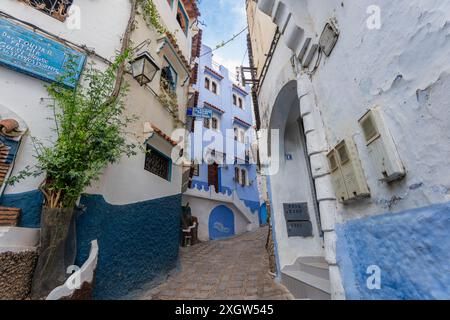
column 221, row 223
column 298, row 231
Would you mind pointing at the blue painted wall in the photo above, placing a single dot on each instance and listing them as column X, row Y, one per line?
column 138, row 242
column 411, row 248
column 31, row 205
column 221, row 223
column 224, row 100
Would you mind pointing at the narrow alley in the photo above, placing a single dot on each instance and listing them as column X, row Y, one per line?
column 235, row 269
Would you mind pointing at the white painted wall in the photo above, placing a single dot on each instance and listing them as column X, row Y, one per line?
column 127, row 181
column 403, row 68
column 396, row 67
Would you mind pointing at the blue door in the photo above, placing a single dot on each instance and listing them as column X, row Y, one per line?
column 263, row 214
column 221, row 223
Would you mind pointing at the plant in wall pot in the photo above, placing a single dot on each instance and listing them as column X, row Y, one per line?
column 89, row 126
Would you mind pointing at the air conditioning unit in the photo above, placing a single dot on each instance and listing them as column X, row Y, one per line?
column 381, row 146
column 346, row 170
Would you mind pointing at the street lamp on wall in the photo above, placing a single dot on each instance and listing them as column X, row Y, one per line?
column 144, row 68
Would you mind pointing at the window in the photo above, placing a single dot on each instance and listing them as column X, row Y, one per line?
column 169, row 77
column 214, row 87
column 157, row 163
column 196, row 170
column 237, row 175
column 247, row 156
column 236, row 134
column 242, row 136
column 244, row 177
column 182, row 18
column 207, row 123
column 207, row 83
column 241, row 105
column 215, row 123
column 234, row 100
column 55, row 8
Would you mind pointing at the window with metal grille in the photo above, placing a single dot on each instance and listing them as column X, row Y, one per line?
column 157, row 163
column 56, row 8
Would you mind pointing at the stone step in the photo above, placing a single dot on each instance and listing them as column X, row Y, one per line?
column 304, row 285
column 316, row 266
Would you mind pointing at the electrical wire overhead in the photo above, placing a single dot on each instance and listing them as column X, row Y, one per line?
column 224, row 43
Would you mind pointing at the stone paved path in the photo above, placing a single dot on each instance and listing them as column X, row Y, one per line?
column 235, row 268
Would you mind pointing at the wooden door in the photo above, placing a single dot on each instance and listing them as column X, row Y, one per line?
column 213, row 176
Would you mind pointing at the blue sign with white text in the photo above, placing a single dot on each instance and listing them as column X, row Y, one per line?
column 23, row 50
column 202, row 113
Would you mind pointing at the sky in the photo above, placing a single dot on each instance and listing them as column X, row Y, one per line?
column 222, row 19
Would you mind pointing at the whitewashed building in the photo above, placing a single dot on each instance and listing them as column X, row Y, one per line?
column 358, row 179
column 135, row 207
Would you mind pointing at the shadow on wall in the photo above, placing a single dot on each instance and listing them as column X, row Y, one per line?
column 411, row 251
column 138, row 242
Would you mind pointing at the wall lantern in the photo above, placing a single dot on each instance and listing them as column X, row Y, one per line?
column 144, row 68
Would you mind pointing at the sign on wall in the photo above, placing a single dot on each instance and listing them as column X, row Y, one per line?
column 202, row 113
column 28, row 52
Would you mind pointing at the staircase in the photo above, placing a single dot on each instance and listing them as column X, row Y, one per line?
column 308, row 278
column 233, row 199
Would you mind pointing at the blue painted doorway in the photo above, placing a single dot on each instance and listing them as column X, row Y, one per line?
column 221, row 223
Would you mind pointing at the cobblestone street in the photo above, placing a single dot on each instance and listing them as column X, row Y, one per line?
column 235, row 268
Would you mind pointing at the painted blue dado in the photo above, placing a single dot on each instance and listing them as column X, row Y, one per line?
column 23, row 50
column 138, row 243
column 31, row 205
column 221, row 223
column 412, row 250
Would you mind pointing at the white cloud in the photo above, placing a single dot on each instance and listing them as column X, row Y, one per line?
column 228, row 63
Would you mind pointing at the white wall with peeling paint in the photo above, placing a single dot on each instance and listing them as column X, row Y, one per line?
column 403, row 68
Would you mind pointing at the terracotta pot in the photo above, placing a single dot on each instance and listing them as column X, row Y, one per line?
column 50, row 271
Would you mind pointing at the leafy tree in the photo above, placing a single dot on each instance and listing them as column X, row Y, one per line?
column 90, row 135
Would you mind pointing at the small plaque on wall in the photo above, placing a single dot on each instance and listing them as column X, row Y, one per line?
column 299, row 229
column 296, row 211
column 298, row 222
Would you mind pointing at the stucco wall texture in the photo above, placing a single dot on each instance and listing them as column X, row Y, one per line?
column 411, row 249
column 138, row 242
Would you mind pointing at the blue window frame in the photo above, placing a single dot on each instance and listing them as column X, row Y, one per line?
column 182, row 18
column 170, row 75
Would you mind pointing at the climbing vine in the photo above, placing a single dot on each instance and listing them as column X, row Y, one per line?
column 151, row 15
column 168, row 99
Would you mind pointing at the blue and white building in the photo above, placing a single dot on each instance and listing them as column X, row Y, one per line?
column 223, row 193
